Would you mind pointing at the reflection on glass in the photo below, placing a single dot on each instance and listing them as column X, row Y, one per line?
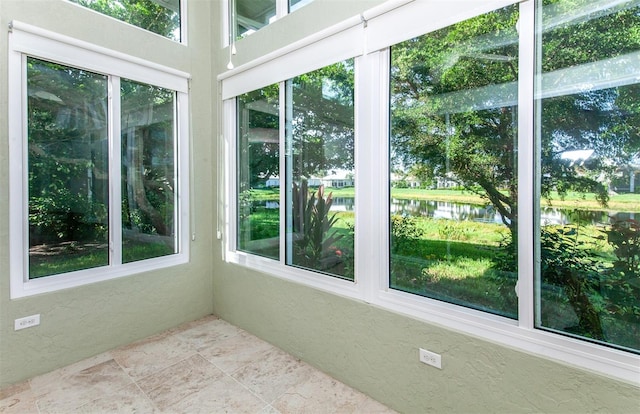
column 157, row 16
column 258, row 172
column 252, row 15
column 453, row 145
column 68, row 169
column 589, row 144
column 148, row 171
column 320, row 134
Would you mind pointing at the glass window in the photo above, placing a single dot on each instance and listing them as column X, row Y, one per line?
column 453, row 163
column 258, row 180
column 320, row 170
column 148, row 171
column 157, row 16
column 68, row 169
column 248, row 16
column 589, row 146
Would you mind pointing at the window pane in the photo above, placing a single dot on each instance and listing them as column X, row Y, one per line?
column 258, row 172
column 68, row 168
column 320, row 173
column 252, row 15
column 148, row 171
column 589, row 145
column 453, row 163
column 157, row 16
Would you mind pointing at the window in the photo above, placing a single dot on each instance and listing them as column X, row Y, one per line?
column 247, row 16
column 317, row 183
column 495, row 147
column 162, row 17
column 148, row 180
column 258, row 172
column 453, row 163
column 588, row 138
column 320, row 179
column 98, row 182
column 68, row 169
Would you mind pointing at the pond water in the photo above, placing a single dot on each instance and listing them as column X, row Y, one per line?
column 488, row 214
column 473, row 212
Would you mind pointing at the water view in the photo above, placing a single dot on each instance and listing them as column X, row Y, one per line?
column 473, row 212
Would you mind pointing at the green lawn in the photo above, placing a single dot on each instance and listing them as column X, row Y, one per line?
column 70, row 257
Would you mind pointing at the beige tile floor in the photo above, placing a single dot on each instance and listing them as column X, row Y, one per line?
column 206, row 366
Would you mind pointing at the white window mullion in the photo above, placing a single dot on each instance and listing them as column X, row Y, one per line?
column 382, row 124
column 183, row 22
column 526, row 162
column 282, row 8
column 177, row 196
column 285, row 112
column 231, row 178
column 115, row 172
column 537, row 122
column 371, row 163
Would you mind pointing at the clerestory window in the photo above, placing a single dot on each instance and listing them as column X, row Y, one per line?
column 163, row 17
column 248, row 16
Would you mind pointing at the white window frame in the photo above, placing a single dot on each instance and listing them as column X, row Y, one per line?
column 30, row 41
column 366, row 38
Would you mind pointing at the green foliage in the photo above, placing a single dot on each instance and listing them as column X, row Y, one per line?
column 624, row 236
column 622, row 283
column 66, row 216
column 314, row 236
column 404, row 233
column 432, row 133
column 569, row 262
column 454, row 230
column 322, row 123
column 259, row 157
column 435, row 135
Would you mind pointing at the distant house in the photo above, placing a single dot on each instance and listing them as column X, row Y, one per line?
column 314, row 182
column 273, row 181
column 405, row 181
column 338, row 179
column 448, row 181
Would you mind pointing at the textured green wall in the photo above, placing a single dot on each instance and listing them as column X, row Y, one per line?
column 81, row 322
column 375, row 350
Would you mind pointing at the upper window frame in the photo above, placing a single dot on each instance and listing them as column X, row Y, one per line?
column 30, row 41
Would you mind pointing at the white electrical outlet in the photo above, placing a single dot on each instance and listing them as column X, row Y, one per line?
column 26, row 322
column 430, row 358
